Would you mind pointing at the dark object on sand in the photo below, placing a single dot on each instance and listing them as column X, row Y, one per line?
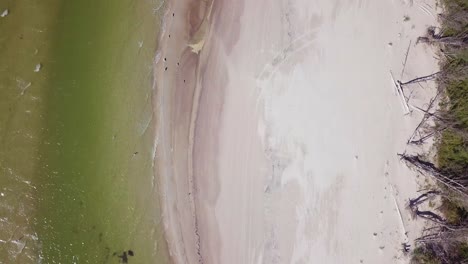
column 406, row 247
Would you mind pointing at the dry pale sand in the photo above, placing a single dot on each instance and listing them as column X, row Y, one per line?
column 279, row 127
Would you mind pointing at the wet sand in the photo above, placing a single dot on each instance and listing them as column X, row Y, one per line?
column 279, row 125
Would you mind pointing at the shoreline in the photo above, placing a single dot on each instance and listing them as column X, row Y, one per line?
column 178, row 205
column 246, row 175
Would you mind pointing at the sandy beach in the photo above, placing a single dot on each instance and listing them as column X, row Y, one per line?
column 278, row 128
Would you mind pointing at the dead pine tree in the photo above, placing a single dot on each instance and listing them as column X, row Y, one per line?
column 425, row 78
column 453, row 182
column 426, row 129
column 458, row 40
column 414, row 207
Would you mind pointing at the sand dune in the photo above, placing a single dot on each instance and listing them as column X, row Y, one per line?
column 279, row 125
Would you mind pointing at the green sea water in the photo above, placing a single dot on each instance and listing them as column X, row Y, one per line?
column 76, row 132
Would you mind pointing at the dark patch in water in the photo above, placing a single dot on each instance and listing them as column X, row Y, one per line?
column 125, row 255
column 106, row 259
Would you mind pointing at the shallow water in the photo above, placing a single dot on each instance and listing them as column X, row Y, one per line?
column 76, row 146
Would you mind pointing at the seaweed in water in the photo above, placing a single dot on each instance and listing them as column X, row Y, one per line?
column 125, row 255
